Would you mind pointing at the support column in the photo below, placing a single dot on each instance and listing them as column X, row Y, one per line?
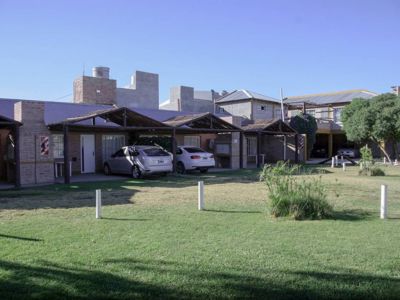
column 259, row 140
column 67, row 178
column 241, row 150
column 296, row 148
column 330, row 145
column 173, row 149
column 17, row 157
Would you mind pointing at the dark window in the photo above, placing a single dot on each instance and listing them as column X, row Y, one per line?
column 119, row 153
column 155, row 152
column 193, row 149
column 179, row 151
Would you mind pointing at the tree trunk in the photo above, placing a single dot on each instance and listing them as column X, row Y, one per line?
column 383, row 150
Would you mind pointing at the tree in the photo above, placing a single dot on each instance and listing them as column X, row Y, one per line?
column 376, row 120
column 305, row 124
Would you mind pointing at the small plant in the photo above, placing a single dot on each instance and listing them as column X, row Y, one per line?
column 367, row 167
column 290, row 195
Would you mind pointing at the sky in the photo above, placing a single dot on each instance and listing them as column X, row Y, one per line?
column 303, row 47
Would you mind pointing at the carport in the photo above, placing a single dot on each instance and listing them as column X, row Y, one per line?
column 122, row 120
column 261, row 128
column 125, row 120
column 204, row 123
column 9, row 138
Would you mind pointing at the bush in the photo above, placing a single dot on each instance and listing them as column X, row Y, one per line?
column 292, row 196
column 371, row 171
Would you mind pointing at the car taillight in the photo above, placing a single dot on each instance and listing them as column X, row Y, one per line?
column 195, row 157
column 211, row 156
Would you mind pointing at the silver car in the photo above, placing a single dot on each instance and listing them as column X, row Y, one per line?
column 138, row 161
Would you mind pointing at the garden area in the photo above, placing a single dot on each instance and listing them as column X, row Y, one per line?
column 152, row 242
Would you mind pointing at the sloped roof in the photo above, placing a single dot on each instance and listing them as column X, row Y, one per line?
column 116, row 116
column 272, row 125
column 200, row 121
column 331, row 98
column 239, row 95
column 5, row 121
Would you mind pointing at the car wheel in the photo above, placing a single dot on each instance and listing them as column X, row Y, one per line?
column 180, row 168
column 107, row 170
column 203, row 171
column 136, row 173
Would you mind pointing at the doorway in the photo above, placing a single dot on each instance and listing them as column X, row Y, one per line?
column 88, row 163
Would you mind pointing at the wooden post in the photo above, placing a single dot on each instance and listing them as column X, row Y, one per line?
column 296, row 148
column 241, row 150
column 98, row 204
column 383, row 201
column 67, row 178
column 201, row 195
column 17, row 157
column 173, row 148
column 258, row 149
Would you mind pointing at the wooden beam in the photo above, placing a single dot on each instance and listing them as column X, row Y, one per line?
column 67, row 178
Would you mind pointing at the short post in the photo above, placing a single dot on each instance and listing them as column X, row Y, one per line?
column 341, row 158
column 333, row 162
column 384, row 160
column 98, row 204
column 336, row 160
column 383, row 201
column 201, row 195
column 344, row 167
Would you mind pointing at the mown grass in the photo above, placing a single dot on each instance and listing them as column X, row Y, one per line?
column 153, row 243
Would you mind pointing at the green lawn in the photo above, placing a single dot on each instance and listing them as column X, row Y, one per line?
column 153, row 243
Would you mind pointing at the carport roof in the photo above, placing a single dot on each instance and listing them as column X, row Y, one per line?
column 5, row 121
column 273, row 126
column 201, row 121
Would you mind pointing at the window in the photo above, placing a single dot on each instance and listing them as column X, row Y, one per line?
column 155, row 152
column 194, row 150
column 191, row 140
column 222, row 148
column 311, row 112
column 119, row 153
column 337, row 115
column 324, row 113
column 111, row 143
column 58, row 145
column 262, row 107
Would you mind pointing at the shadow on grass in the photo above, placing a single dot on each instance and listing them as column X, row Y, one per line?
column 352, row 215
column 20, row 238
column 149, row 279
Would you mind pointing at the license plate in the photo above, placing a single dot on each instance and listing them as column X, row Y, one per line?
column 160, row 161
column 204, row 157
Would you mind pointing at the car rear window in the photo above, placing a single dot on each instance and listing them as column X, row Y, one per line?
column 155, row 152
column 193, row 149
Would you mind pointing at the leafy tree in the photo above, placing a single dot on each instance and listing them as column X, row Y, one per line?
column 376, row 120
column 305, row 124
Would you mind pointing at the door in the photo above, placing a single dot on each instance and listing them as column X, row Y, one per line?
column 87, row 153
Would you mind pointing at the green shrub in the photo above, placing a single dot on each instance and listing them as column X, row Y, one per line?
column 371, row 171
column 293, row 196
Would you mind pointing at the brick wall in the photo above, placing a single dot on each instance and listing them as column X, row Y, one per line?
column 35, row 168
column 95, row 90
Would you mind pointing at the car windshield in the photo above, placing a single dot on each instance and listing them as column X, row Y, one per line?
column 193, row 149
column 155, row 152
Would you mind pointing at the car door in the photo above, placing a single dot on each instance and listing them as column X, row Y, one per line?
column 126, row 162
column 116, row 161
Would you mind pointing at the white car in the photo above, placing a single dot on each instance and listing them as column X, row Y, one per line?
column 347, row 152
column 138, row 161
column 193, row 158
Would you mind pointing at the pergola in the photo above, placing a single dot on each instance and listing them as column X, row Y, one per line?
column 127, row 120
column 13, row 125
column 270, row 127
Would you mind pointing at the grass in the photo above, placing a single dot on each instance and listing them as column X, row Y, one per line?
column 153, row 243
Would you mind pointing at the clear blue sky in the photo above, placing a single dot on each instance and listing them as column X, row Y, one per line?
column 302, row 46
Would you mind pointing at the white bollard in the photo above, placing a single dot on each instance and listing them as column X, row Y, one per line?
column 98, row 204
column 383, row 201
column 201, row 195
column 384, row 160
column 333, row 162
column 341, row 158
column 344, row 167
column 336, row 160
